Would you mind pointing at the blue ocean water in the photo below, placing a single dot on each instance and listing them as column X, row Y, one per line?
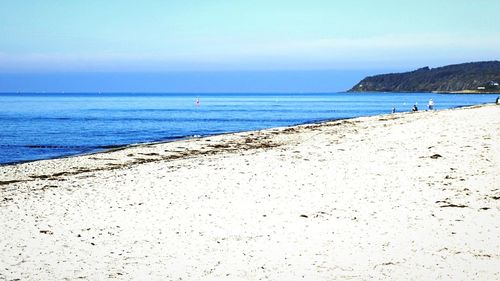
column 42, row 126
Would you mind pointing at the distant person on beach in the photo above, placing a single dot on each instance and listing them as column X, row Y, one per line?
column 431, row 104
column 497, row 101
column 414, row 108
column 393, row 109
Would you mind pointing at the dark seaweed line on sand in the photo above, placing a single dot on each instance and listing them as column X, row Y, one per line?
column 247, row 144
column 111, row 148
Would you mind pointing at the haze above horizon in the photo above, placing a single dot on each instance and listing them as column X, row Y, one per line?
column 42, row 41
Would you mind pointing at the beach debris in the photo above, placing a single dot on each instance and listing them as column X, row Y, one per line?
column 49, row 232
column 482, row 255
column 436, row 156
column 385, row 264
column 450, row 205
column 40, row 177
column 150, row 154
column 220, row 146
column 303, row 216
column 9, row 182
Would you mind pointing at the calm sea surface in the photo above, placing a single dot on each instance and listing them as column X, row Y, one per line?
column 41, row 126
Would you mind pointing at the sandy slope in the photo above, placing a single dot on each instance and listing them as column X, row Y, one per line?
column 401, row 197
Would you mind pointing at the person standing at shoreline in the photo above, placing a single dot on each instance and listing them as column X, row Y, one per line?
column 431, row 104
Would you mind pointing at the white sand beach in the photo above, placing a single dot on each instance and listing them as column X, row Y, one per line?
column 407, row 196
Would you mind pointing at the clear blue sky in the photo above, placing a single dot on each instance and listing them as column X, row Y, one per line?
column 111, row 36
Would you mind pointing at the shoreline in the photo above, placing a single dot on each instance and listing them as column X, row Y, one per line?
column 152, row 145
column 393, row 196
column 136, row 146
column 120, row 147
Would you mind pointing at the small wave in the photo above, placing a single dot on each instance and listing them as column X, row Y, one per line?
column 58, row 146
column 45, row 146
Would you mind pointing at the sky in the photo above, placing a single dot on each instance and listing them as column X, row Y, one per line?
column 234, row 41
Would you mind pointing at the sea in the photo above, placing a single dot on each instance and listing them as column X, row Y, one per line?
column 36, row 126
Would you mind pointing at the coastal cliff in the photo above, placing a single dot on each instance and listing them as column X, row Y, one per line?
column 474, row 77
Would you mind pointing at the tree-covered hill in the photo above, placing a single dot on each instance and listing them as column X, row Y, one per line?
column 466, row 77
